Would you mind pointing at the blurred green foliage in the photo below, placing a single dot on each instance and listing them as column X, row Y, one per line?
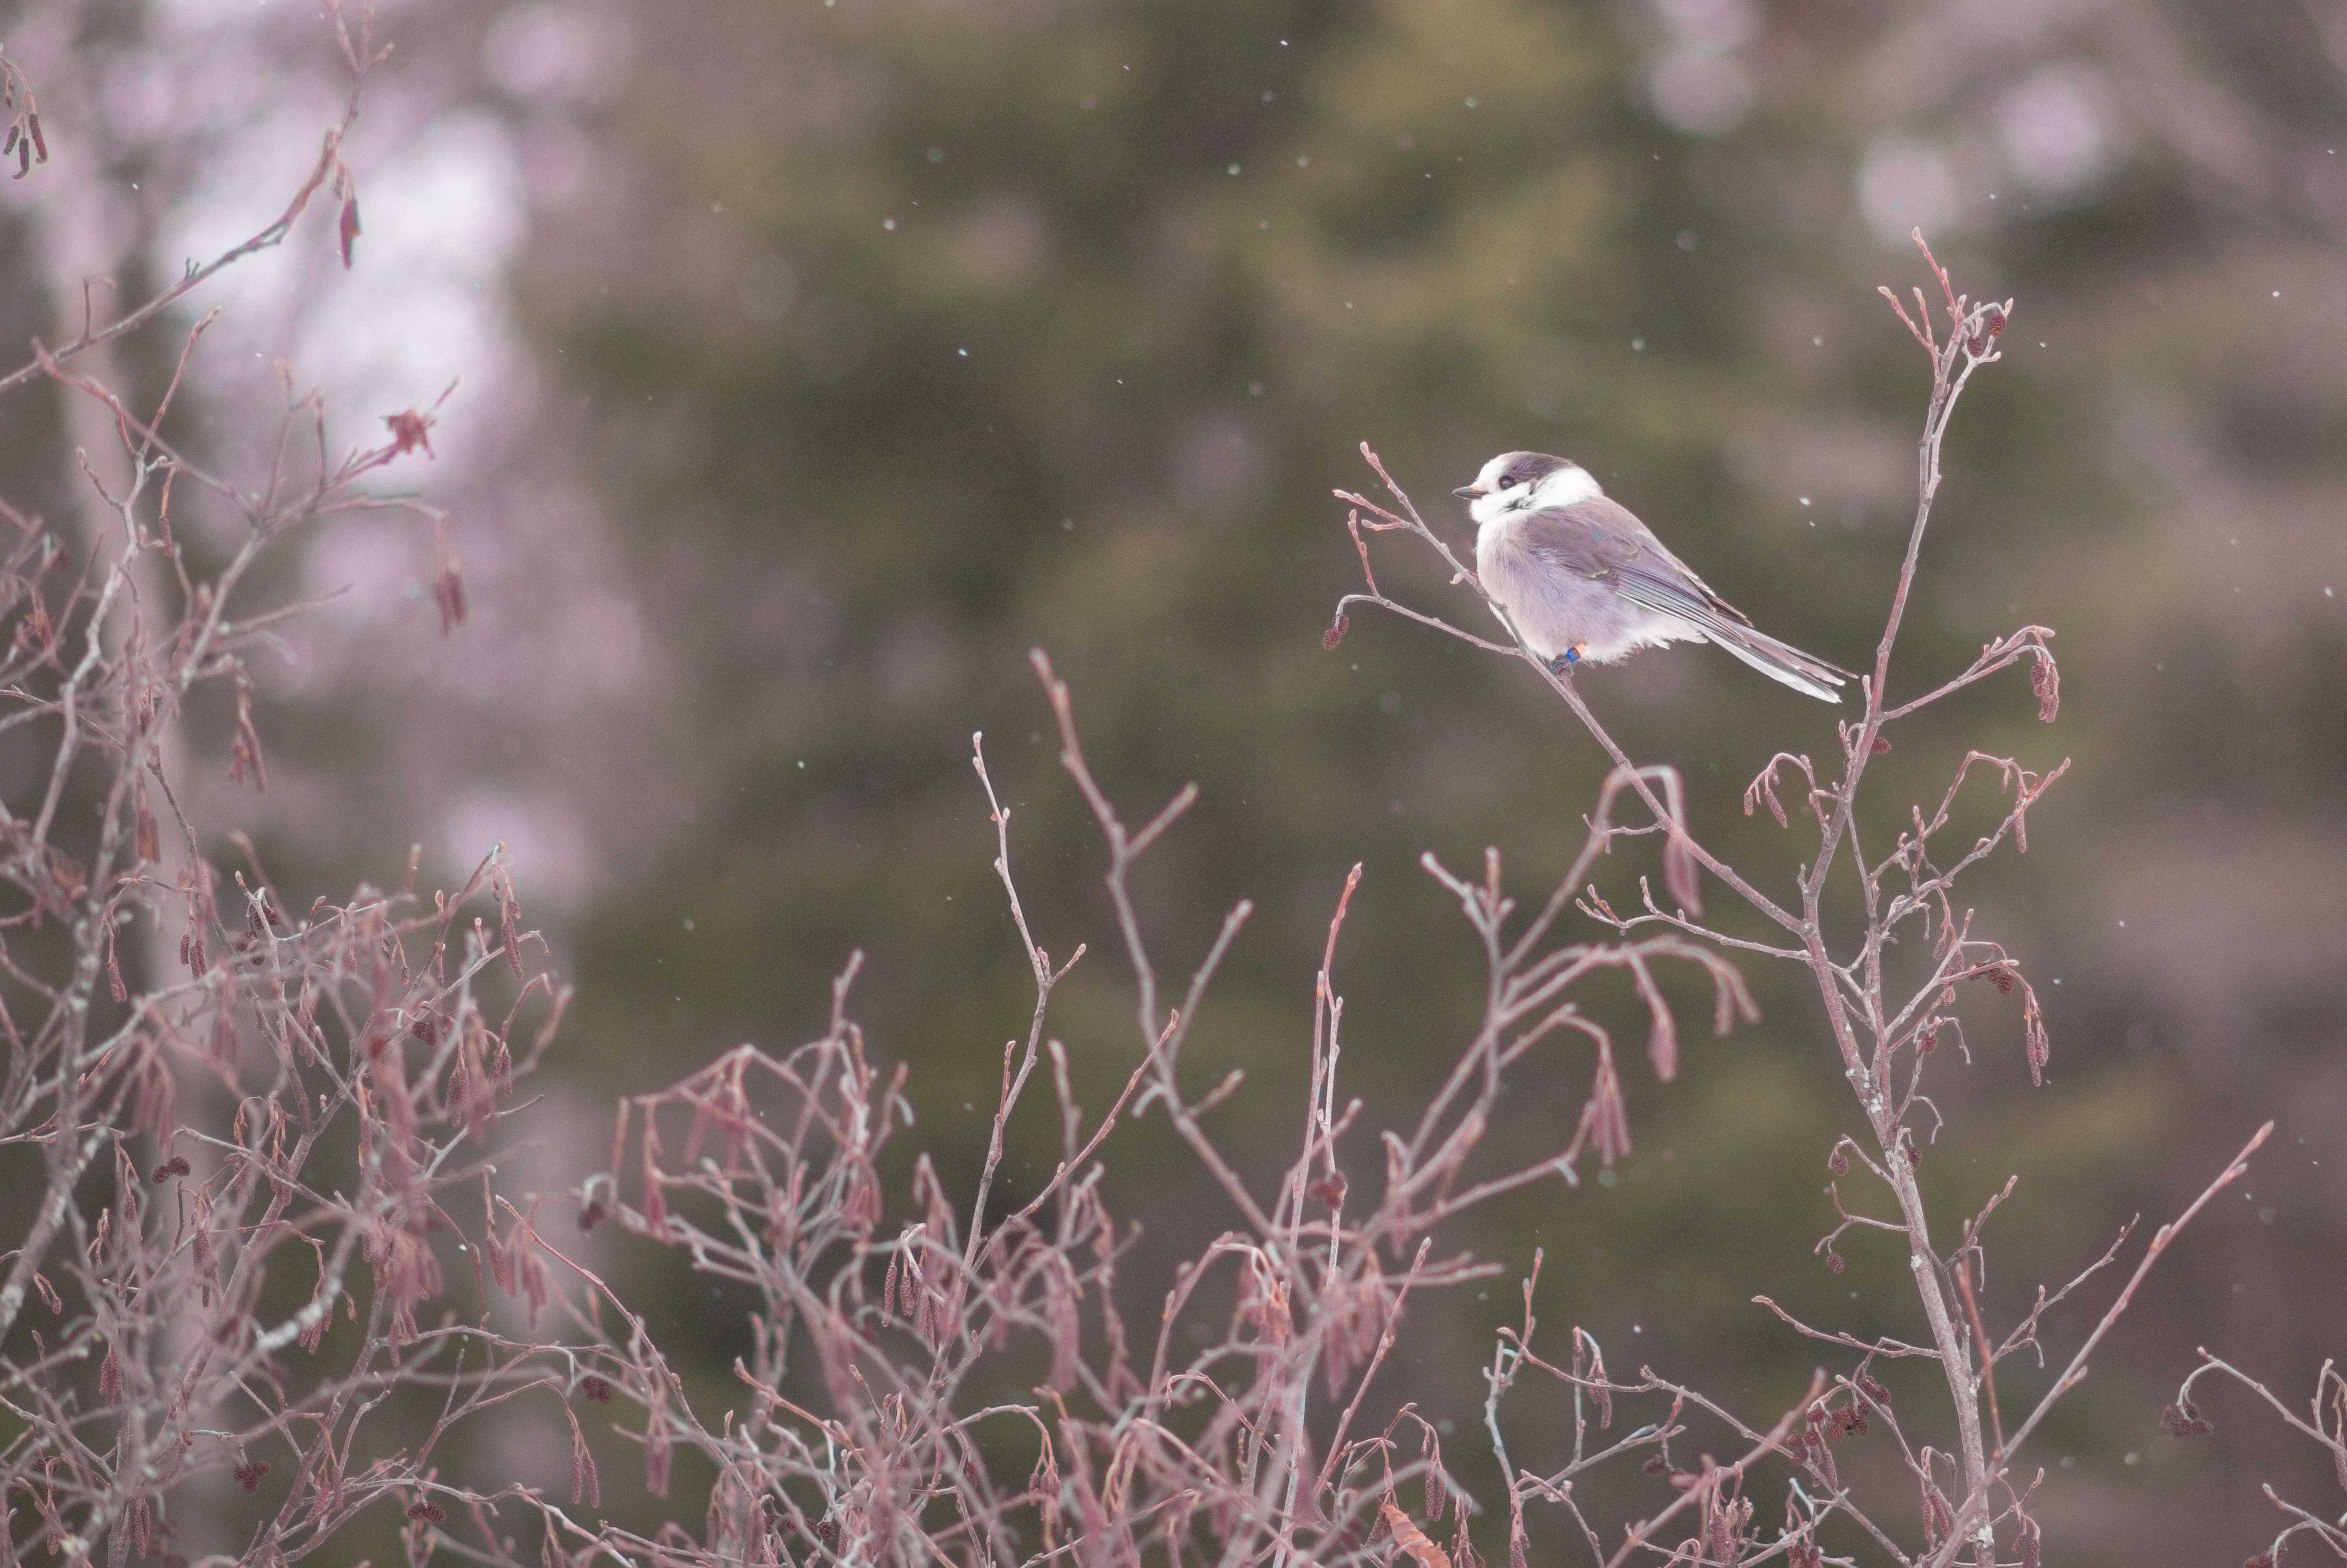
column 1060, row 335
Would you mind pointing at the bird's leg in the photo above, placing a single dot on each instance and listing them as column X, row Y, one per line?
column 1567, row 659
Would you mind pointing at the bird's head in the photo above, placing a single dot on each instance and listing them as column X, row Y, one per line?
column 1523, row 482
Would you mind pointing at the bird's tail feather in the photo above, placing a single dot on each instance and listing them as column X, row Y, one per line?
column 1782, row 661
column 1778, row 661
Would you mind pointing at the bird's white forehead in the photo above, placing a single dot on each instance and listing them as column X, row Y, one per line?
column 1488, row 479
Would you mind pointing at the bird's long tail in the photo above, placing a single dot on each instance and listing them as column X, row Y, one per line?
column 1782, row 661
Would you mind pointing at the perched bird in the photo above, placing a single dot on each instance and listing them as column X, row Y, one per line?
column 1585, row 581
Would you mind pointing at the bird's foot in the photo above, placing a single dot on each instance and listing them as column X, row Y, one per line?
column 1568, row 659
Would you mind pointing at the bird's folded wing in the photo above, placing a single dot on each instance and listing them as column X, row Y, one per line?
column 1581, row 539
column 1604, row 541
column 1666, row 595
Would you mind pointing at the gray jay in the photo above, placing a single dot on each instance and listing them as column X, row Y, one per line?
column 1585, row 581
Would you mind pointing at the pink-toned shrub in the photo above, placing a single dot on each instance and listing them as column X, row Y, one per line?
column 257, row 1238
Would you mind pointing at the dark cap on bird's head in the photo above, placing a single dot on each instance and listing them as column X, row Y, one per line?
column 1510, row 470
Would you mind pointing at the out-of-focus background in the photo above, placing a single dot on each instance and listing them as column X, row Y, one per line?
column 817, row 361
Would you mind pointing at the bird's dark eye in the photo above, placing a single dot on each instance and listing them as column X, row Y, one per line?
column 1508, row 482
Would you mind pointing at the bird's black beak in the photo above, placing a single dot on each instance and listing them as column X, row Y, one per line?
column 1469, row 492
